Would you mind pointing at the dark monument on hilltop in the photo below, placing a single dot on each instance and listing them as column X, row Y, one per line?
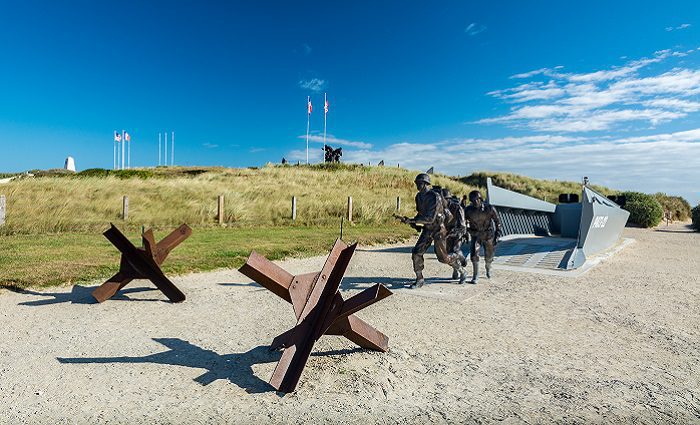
column 332, row 155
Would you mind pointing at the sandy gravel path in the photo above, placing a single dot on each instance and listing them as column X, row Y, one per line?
column 620, row 343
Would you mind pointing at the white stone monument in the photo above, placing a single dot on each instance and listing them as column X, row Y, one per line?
column 70, row 164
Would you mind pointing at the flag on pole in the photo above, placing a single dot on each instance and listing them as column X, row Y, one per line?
column 117, row 137
column 309, row 106
column 127, row 138
column 325, row 107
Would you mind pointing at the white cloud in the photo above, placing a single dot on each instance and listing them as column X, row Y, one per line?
column 679, row 27
column 474, row 28
column 210, row 145
column 314, row 84
column 315, row 155
column 600, row 100
column 332, row 140
column 651, row 163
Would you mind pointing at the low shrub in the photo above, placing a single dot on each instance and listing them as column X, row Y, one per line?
column 131, row 174
column 94, row 172
column 696, row 217
column 677, row 205
column 644, row 209
column 121, row 174
column 52, row 172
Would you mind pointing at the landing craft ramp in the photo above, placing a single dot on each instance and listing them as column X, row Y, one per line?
column 541, row 235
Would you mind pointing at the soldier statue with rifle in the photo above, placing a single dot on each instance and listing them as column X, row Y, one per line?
column 431, row 216
column 484, row 229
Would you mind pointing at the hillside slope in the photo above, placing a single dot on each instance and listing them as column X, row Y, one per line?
column 164, row 197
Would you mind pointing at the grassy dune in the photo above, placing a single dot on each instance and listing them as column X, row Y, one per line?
column 54, row 221
column 169, row 197
column 542, row 189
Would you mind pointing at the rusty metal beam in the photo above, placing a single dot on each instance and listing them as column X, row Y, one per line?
column 141, row 263
column 319, row 309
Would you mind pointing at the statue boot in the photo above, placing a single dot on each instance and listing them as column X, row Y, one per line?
column 462, row 275
column 475, row 272
column 419, row 281
column 488, row 269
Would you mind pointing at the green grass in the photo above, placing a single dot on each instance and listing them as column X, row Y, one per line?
column 168, row 196
column 66, row 258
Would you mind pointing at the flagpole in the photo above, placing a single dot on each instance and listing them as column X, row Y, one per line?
column 128, row 158
column 114, row 157
column 123, row 149
column 325, row 112
column 165, row 157
column 172, row 148
column 308, row 121
column 159, row 149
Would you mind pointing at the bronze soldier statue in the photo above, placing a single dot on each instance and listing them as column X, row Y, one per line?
column 456, row 227
column 431, row 215
column 484, row 228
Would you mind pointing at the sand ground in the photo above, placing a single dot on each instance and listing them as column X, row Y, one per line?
column 619, row 344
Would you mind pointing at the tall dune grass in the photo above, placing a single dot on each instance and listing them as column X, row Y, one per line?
column 170, row 196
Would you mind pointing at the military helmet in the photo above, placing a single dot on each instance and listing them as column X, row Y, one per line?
column 474, row 195
column 446, row 193
column 423, row 177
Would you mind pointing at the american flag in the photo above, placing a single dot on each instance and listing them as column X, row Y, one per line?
column 309, row 105
column 117, row 137
column 127, row 138
column 325, row 107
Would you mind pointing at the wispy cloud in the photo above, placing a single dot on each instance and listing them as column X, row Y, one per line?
column 475, row 28
column 210, row 145
column 600, row 100
column 334, row 141
column 679, row 27
column 648, row 163
column 315, row 84
column 306, row 48
column 256, row 150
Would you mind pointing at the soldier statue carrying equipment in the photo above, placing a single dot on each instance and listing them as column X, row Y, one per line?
column 431, row 215
column 456, row 227
column 484, row 228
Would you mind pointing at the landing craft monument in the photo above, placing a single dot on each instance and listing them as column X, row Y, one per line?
column 572, row 232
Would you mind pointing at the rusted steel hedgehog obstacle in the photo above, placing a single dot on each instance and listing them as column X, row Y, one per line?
column 319, row 308
column 142, row 263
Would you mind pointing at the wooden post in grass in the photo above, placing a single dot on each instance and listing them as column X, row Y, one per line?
column 2, row 209
column 220, row 209
column 125, row 207
column 398, row 203
column 294, row 208
column 349, row 208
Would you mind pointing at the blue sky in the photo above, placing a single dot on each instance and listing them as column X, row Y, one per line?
column 553, row 90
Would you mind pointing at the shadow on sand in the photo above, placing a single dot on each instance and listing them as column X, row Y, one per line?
column 688, row 228
column 79, row 295
column 393, row 249
column 389, row 282
column 237, row 368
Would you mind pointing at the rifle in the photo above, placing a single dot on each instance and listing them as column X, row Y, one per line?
column 405, row 220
